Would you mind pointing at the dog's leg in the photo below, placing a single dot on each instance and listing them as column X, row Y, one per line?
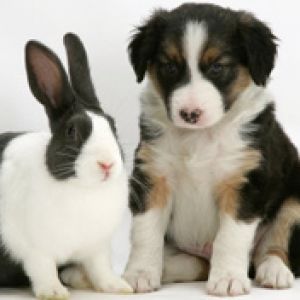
column 150, row 203
column 234, row 240
column 144, row 269
column 271, row 258
column 230, row 259
column 182, row 267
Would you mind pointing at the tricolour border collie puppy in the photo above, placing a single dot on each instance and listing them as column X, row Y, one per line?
column 215, row 177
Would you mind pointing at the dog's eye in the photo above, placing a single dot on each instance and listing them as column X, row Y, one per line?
column 170, row 68
column 71, row 132
column 215, row 68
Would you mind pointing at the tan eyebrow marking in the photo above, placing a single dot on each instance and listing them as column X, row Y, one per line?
column 172, row 51
column 210, row 54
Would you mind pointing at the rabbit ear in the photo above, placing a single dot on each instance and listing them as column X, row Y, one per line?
column 48, row 80
column 79, row 71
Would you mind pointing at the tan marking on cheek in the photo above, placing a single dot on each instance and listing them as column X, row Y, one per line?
column 159, row 194
column 152, row 72
column 210, row 54
column 242, row 81
column 172, row 54
column 228, row 191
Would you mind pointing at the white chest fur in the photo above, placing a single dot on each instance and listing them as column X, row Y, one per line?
column 195, row 161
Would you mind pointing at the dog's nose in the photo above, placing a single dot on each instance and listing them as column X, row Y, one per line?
column 190, row 116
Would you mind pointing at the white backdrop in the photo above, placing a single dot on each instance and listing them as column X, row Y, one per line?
column 105, row 27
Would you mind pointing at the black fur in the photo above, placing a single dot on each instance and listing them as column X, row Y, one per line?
column 65, row 144
column 244, row 40
column 48, row 82
column 12, row 273
column 140, row 186
column 5, row 139
column 66, row 105
column 294, row 250
column 79, row 72
column 251, row 38
column 145, row 41
column 270, row 184
column 140, row 182
column 230, row 30
column 258, row 47
column 148, row 130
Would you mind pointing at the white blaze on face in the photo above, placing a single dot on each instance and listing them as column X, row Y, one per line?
column 199, row 94
column 100, row 147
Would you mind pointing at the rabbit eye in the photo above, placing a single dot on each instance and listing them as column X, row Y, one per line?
column 71, row 132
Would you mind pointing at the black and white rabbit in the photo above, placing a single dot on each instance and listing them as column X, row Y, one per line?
column 62, row 192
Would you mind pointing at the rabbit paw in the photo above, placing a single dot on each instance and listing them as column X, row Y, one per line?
column 54, row 292
column 114, row 284
column 75, row 278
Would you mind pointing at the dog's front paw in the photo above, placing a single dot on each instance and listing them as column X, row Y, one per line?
column 228, row 284
column 143, row 281
column 273, row 273
column 51, row 292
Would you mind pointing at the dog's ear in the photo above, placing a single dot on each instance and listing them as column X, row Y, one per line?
column 257, row 45
column 145, row 41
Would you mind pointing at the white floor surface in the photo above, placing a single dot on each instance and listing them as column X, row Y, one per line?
column 182, row 291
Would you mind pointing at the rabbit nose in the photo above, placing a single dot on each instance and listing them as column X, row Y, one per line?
column 105, row 166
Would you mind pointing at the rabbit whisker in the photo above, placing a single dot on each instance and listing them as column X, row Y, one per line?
column 63, row 173
column 63, row 168
column 76, row 150
column 79, row 135
column 66, row 154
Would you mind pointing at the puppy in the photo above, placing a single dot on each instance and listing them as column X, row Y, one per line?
column 215, row 177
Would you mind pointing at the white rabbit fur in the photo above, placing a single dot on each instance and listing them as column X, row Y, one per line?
column 47, row 221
